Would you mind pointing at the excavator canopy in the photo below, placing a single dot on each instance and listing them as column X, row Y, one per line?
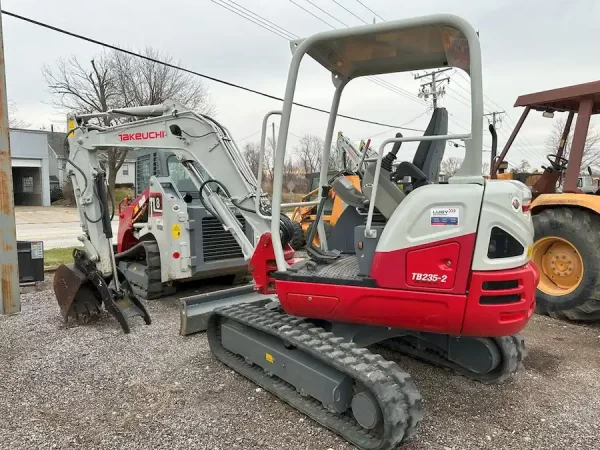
column 377, row 50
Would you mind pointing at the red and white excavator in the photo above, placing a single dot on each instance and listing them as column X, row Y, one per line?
column 441, row 273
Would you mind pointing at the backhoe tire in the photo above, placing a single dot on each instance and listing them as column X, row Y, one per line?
column 579, row 228
column 298, row 241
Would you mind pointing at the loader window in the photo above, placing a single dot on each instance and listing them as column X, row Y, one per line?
column 180, row 177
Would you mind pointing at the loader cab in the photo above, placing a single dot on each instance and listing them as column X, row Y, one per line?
column 150, row 161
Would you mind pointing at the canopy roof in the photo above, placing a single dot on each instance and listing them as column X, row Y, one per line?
column 390, row 47
column 563, row 99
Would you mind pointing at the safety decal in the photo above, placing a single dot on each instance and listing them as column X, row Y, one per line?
column 176, row 231
column 444, row 216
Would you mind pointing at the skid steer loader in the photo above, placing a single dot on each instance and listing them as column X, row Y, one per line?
column 446, row 278
column 566, row 249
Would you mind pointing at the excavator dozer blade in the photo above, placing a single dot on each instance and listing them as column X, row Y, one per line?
column 195, row 310
column 76, row 297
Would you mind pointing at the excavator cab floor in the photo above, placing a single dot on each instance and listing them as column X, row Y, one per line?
column 345, row 271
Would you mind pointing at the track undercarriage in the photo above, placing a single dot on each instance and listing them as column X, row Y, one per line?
column 325, row 370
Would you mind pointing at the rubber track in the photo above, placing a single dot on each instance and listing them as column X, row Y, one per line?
column 155, row 288
column 512, row 350
column 397, row 395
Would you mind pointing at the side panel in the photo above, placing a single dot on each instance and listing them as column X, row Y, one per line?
column 438, row 222
column 414, row 310
column 498, row 211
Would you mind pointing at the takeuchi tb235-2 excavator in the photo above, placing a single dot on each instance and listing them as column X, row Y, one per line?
column 443, row 274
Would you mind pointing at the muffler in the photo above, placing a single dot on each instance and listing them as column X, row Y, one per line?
column 81, row 291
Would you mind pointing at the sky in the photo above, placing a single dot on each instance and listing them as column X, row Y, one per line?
column 527, row 46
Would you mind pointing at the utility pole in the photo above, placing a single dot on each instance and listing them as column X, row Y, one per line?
column 10, row 302
column 433, row 88
column 496, row 119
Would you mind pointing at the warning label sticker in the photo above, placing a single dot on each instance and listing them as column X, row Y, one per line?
column 444, row 216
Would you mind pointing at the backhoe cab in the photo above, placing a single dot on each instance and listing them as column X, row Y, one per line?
column 565, row 208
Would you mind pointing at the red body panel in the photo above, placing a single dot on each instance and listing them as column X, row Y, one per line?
column 500, row 319
column 262, row 264
column 128, row 215
column 401, row 269
column 419, row 310
column 425, row 311
column 499, row 310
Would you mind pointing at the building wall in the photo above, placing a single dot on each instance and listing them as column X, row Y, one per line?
column 126, row 173
column 26, row 145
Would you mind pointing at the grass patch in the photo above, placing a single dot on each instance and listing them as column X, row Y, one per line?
column 121, row 193
column 56, row 256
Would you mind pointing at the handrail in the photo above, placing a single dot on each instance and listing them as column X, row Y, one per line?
column 261, row 158
column 369, row 233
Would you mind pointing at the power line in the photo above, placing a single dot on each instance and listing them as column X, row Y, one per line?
column 192, row 72
column 326, row 13
column 312, row 14
column 261, row 22
column 369, row 9
column 350, row 12
column 373, row 79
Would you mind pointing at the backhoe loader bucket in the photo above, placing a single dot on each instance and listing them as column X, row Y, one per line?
column 81, row 290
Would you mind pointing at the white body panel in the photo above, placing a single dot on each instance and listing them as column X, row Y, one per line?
column 411, row 223
column 497, row 211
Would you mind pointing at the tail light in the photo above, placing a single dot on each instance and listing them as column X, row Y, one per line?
column 526, row 202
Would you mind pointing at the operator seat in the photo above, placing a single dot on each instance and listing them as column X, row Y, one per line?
column 425, row 166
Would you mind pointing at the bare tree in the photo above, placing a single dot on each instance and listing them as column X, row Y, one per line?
column 523, row 167
column 114, row 80
column 485, row 168
column 451, row 165
column 591, row 149
column 309, row 153
column 13, row 120
column 252, row 154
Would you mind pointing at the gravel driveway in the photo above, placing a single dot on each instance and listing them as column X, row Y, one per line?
column 92, row 387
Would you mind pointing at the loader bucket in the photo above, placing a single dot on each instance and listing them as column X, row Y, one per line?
column 81, row 296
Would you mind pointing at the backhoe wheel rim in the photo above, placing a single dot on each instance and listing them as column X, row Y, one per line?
column 560, row 264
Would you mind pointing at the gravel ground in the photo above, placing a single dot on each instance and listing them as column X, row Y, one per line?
column 92, row 387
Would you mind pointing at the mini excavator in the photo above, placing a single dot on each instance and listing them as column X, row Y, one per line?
column 441, row 272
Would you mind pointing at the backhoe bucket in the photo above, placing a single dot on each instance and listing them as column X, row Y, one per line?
column 74, row 294
column 81, row 296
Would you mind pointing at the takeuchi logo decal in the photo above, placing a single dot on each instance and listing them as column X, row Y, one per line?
column 141, row 136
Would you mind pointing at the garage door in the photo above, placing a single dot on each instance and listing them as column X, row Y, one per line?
column 26, row 162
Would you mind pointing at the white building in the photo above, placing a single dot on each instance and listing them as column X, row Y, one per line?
column 30, row 167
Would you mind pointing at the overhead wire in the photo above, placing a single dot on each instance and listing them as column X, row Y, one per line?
column 350, row 12
column 183, row 69
column 369, row 9
column 374, row 79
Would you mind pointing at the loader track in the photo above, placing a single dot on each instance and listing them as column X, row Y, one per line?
column 154, row 289
column 512, row 350
column 394, row 390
